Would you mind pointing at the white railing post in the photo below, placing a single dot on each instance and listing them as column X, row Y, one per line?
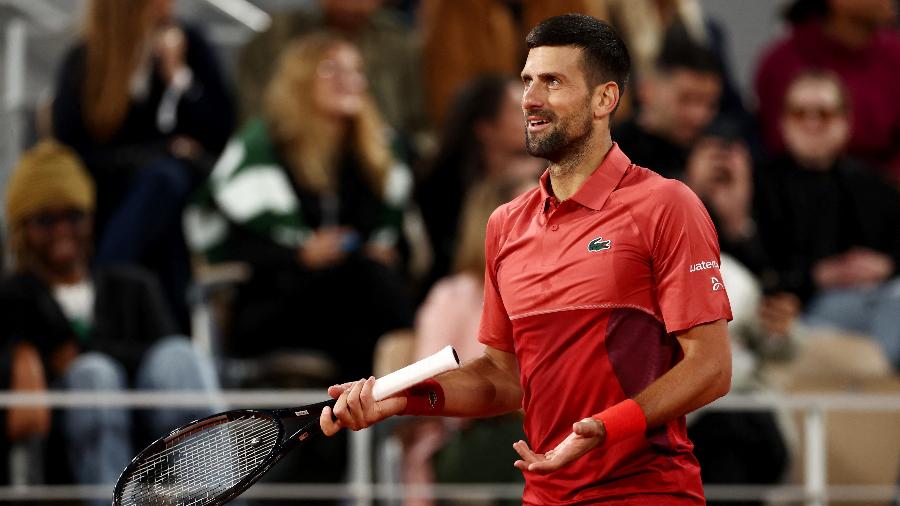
column 359, row 452
column 15, row 40
column 815, row 472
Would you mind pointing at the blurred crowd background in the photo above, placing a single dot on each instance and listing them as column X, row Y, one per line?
column 298, row 197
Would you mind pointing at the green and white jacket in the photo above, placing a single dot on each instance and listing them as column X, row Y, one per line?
column 250, row 188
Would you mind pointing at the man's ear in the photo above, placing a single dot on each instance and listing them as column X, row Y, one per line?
column 606, row 98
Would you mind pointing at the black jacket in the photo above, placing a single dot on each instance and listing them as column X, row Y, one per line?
column 129, row 316
column 804, row 216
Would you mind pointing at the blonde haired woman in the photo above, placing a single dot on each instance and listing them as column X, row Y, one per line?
column 311, row 196
column 142, row 101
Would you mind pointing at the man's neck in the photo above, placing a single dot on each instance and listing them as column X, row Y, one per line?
column 567, row 176
column 849, row 33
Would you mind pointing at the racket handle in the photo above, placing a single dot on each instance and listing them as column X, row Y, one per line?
column 397, row 381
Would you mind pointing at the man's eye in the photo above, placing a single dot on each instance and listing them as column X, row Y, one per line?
column 554, row 82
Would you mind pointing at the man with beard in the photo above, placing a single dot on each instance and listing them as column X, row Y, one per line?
column 604, row 311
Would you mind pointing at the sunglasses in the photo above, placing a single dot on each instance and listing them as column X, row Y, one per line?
column 49, row 219
column 822, row 113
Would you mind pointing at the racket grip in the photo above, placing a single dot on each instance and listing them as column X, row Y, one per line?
column 417, row 372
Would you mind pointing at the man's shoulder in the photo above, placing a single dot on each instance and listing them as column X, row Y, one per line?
column 517, row 206
column 649, row 194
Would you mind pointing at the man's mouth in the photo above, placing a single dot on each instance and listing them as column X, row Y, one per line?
column 536, row 124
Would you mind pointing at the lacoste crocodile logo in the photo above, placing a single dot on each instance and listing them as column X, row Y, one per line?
column 599, row 244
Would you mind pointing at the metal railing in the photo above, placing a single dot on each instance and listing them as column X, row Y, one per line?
column 814, row 491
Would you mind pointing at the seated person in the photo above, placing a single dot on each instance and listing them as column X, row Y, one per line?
column 735, row 447
column 859, row 42
column 830, row 226
column 142, row 100
column 310, row 196
column 679, row 98
column 107, row 330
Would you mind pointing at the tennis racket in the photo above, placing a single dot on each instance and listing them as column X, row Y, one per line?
column 213, row 460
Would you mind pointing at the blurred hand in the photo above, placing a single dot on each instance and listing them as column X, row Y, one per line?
column 170, row 50
column 382, row 253
column 871, row 267
column 720, row 174
column 356, row 408
column 26, row 375
column 323, row 248
column 855, row 268
column 586, row 434
column 63, row 356
column 777, row 313
column 185, row 148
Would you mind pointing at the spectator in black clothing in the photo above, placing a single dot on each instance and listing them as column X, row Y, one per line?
column 482, row 138
column 831, row 228
column 740, row 447
column 106, row 330
column 143, row 102
column 679, row 98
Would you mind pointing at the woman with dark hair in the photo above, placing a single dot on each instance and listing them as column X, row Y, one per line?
column 143, row 102
column 484, row 136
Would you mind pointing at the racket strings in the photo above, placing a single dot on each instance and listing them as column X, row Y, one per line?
column 202, row 466
column 194, row 437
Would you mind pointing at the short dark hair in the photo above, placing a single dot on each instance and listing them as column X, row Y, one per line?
column 680, row 52
column 604, row 55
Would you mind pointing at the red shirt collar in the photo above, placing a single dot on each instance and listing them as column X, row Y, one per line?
column 601, row 183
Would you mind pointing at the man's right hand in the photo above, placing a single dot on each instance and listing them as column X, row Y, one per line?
column 356, row 407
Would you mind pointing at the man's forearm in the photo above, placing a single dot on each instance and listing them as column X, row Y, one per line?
column 486, row 386
column 702, row 376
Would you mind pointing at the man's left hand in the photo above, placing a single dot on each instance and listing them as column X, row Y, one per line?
column 586, row 434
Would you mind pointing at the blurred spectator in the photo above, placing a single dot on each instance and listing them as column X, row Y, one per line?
column 648, row 26
column 441, row 449
column 831, row 227
column 389, row 49
column 857, row 40
column 484, row 136
column 143, row 102
column 103, row 331
column 741, row 447
column 312, row 199
column 679, row 99
column 720, row 172
column 464, row 39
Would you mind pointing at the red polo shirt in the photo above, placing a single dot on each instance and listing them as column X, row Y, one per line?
column 588, row 294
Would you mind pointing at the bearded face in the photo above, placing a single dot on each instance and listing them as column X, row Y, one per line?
column 553, row 137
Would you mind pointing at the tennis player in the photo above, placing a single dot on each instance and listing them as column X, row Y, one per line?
column 604, row 309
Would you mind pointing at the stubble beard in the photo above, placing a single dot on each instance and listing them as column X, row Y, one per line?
column 559, row 147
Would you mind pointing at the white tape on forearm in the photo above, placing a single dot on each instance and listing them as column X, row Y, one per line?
column 397, row 381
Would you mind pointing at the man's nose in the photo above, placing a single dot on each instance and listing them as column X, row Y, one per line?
column 532, row 98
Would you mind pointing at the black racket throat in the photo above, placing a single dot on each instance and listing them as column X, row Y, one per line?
column 213, row 460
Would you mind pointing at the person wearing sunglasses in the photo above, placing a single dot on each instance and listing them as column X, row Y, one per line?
column 830, row 224
column 66, row 326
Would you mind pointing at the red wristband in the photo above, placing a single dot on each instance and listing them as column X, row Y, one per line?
column 622, row 421
column 425, row 398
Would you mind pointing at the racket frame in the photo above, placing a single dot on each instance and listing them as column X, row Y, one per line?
column 284, row 445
